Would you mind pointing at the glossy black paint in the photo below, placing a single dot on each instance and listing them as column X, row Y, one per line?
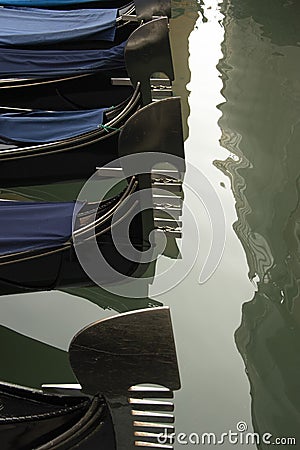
column 134, row 348
column 32, row 419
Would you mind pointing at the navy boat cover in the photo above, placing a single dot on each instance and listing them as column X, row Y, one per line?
column 48, row 126
column 45, row 3
column 28, row 226
column 16, row 63
column 30, row 26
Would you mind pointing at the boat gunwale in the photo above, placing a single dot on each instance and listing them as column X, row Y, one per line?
column 97, row 223
column 75, row 142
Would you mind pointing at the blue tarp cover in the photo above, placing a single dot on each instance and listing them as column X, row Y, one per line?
column 45, row 3
column 16, row 63
column 48, row 126
column 27, row 226
column 29, row 26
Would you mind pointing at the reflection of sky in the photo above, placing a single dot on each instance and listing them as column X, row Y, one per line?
column 215, row 393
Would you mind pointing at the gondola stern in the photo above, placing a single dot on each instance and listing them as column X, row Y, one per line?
column 115, row 357
column 148, row 51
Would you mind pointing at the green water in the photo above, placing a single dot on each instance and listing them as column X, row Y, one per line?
column 237, row 67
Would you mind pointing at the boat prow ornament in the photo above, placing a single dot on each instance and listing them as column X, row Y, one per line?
column 116, row 358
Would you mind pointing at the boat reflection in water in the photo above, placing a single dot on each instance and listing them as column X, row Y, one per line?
column 184, row 17
column 261, row 128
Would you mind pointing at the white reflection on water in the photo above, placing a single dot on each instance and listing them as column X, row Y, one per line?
column 215, row 393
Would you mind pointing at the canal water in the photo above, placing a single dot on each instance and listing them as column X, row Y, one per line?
column 237, row 329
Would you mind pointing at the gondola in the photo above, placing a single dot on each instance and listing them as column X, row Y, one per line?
column 74, row 155
column 39, row 250
column 28, row 74
column 39, row 29
column 110, row 408
column 73, row 55
column 39, row 241
column 145, row 9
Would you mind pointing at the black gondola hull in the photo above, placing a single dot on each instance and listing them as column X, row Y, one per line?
column 78, row 157
column 63, row 267
column 82, row 91
column 60, row 270
column 75, row 164
column 35, row 419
